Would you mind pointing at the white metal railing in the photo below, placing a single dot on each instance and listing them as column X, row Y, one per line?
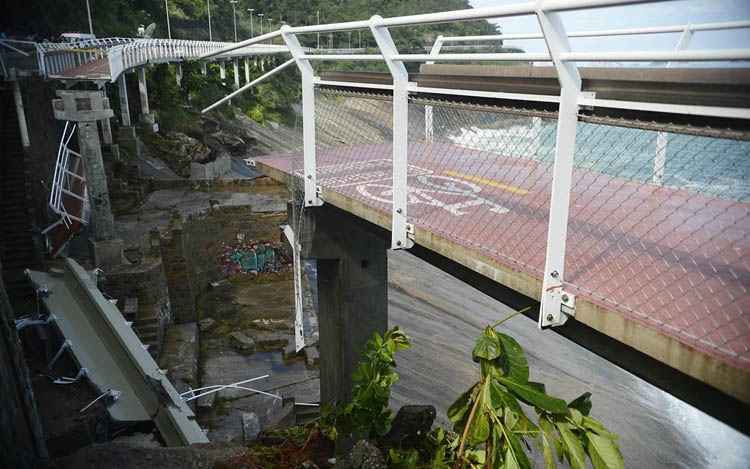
column 571, row 97
column 68, row 181
column 125, row 53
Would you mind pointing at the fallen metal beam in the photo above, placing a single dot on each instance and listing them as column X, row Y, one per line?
column 103, row 343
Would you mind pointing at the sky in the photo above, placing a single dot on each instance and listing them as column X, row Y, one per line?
column 646, row 15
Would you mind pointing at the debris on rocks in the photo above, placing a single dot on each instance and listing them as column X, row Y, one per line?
column 206, row 324
column 253, row 257
column 242, row 343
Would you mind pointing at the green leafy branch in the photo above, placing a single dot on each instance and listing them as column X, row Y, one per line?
column 494, row 427
column 367, row 414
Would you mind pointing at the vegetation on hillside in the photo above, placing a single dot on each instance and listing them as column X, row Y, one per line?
column 189, row 18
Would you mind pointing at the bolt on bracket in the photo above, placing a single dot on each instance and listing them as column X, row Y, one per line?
column 557, row 306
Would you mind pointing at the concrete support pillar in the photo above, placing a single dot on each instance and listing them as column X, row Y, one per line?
column 96, row 181
column 143, row 91
column 122, row 87
column 86, row 108
column 20, row 112
column 223, row 72
column 204, row 68
column 247, row 70
column 106, row 130
column 352, row 290
column 178, row 74
column 236, row 74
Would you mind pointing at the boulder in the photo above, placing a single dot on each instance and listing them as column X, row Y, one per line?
column 410, row 425
column 242, row 343
column 250, row 426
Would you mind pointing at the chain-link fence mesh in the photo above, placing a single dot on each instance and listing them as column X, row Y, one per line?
column 659, row 224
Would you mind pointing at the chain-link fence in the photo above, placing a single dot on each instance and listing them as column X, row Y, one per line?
column 659, row 225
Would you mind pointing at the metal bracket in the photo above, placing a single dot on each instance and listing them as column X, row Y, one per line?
column 410, row 231
column 65, row 346
column 557, row 306
column 586, row 100
column 249, row 162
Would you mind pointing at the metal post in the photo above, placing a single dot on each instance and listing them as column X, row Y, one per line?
column 536, row 129
column 20, row 112
column 247, row 70
column 251, row 10
column 236, row 74
column 556, row 304
column 308, row 117
column 122, row 88
column 166, row 10
column 317, row 13
column 88, row 12
column 660, row 156
column 208, row 7
column 399, row 222
column 428, row 124
column 143, row 91
column 234, row 17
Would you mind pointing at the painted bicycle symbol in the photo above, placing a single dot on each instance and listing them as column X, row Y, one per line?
column 451, row 194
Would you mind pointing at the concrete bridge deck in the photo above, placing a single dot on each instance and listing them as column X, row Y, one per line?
column 653, row 295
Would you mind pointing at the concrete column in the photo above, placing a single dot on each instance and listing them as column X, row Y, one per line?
column 20, row 112
column 204, row 68
column 236, row 74
column 247, row 70
column 106, row 131
column 223, row 72
column 96, row 181
column 178, row 74
column 143, row 91
column 122, row 88
column 86, row 108
column 352, row 290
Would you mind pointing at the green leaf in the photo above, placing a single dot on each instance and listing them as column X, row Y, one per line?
column 576, row 416
column 488, row 346
column 573, row 447
column 582, row 403
column 515, row 451
column 479, row 430
column 547, row 440
column 460, row 408
column 595, row 426
column 528, row 394
column 510, row 462
column 604, row 452
column 501, row 399
column 516, row 366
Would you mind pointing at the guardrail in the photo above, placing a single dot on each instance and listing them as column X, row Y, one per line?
column 570, row 99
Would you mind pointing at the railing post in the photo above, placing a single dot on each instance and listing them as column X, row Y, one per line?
column 557, row 305
column 399, row 222
column 308, row 117
column 429, row 128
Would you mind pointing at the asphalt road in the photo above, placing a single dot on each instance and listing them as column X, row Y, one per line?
column 443, row 316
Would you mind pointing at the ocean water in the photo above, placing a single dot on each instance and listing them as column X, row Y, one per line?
column 717, row 167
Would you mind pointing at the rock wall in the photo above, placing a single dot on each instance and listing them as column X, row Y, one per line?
column 192, row 248
column 21, row 441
